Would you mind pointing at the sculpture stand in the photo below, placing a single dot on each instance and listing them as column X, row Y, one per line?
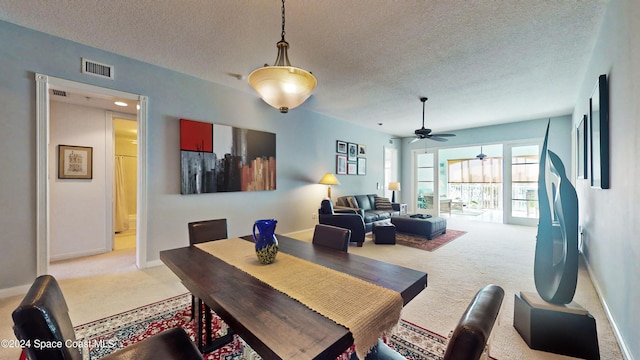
column 561, row 329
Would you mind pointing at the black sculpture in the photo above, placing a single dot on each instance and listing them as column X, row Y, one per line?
column 556, row 258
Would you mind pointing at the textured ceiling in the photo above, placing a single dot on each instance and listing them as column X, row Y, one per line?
column 480, row 62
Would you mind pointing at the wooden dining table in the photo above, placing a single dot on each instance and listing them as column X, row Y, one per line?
column 272, row 323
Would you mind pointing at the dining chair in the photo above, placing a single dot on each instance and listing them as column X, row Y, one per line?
column 43, row 318
column 203, row 231
column 200, row 232
column 332, row 236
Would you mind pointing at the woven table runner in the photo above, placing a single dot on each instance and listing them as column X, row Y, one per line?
column 366, row 309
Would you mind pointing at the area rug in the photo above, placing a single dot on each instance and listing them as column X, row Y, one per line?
column 421, row 242
column 107, row 335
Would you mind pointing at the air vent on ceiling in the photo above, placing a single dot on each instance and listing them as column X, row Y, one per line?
column 97, row 69
column 59, row 92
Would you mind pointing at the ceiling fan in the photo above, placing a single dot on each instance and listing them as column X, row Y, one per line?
column 482, row 155
column 424, row 133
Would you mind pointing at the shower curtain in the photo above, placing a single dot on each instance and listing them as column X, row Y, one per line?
column 121, row 218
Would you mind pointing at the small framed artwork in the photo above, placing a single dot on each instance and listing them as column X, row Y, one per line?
column 581, row 143
column 362, row 166
column 352, row 168
column 341, row 164
column 362, row 150
column 341, row 147
column 352, row 151
column 75, row 162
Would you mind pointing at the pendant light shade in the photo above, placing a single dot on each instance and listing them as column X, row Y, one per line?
column 283, row 86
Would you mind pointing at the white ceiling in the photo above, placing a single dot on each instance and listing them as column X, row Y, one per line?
column 480, row 62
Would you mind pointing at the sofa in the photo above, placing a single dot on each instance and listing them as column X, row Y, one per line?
column 370, row 207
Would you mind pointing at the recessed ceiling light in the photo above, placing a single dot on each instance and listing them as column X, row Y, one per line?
column 121, row 103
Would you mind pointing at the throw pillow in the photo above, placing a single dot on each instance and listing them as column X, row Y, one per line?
column 383, row 204
column 352, row 202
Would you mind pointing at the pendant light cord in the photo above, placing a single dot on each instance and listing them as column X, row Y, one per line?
column 283, row 20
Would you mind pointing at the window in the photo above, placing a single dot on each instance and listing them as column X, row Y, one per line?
column 524, row 179
column 425, row 181
column 475, row 182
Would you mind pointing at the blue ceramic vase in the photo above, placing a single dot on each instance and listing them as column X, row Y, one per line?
column 266, row 242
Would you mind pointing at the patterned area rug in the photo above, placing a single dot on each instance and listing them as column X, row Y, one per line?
column 110, row 334
column 421, row 242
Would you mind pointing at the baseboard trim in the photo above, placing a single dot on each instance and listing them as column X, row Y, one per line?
column 153, row 263
column 626, row 353
column 13, row 291
column 79, row 254
column 297, row 232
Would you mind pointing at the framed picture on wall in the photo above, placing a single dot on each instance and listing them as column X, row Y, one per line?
column 341, row 164
column 599, row 134
column 75, row 162
column 581, row 144
column 352, row 168
column 362, row 166
column 362, row 150
column 352, row 153
column 341, row 147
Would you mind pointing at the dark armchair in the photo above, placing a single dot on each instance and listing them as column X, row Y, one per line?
column 343, row 218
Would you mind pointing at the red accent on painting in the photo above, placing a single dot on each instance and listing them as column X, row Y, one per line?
column 196, row 136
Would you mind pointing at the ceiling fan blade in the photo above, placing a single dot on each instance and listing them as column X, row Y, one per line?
column 436, row 138
column 414, row 140
column 444, row 135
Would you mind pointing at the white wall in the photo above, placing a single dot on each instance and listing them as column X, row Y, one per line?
column 610, row 217
column 78, row 206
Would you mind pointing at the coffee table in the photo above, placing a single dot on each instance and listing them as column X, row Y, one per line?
column 429, row 227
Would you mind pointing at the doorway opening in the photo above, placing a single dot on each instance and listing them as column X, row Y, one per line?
column 125, row 184
column 82, row 211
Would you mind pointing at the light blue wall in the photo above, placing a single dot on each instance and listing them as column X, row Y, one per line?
column 610, row 217
column 305, row 148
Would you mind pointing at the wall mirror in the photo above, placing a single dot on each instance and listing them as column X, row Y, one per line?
column 599, row 134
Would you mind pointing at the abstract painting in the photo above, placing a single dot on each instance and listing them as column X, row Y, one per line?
column 222, row 158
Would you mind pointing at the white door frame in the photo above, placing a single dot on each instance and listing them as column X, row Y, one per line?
column 436, row 179
column 392, row 174
column 42, row 167
column 507, row 181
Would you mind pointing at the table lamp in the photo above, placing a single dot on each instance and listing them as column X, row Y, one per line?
column 394, row 185
column 329, row 179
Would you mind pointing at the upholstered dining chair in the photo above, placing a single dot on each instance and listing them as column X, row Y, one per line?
column 203, row 231
column 43, row 316
column 332, row 236
column 200, row 232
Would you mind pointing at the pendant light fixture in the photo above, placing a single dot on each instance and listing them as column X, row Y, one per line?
column 283, row 86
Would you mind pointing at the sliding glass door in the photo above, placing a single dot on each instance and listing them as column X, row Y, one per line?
column 425, row 198
column 521, row 199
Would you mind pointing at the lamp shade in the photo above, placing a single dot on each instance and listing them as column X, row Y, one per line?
column 283, row 87
column 329, row 179
column 394, row 185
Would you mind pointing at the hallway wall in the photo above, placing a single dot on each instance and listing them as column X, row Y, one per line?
column 78, row 206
